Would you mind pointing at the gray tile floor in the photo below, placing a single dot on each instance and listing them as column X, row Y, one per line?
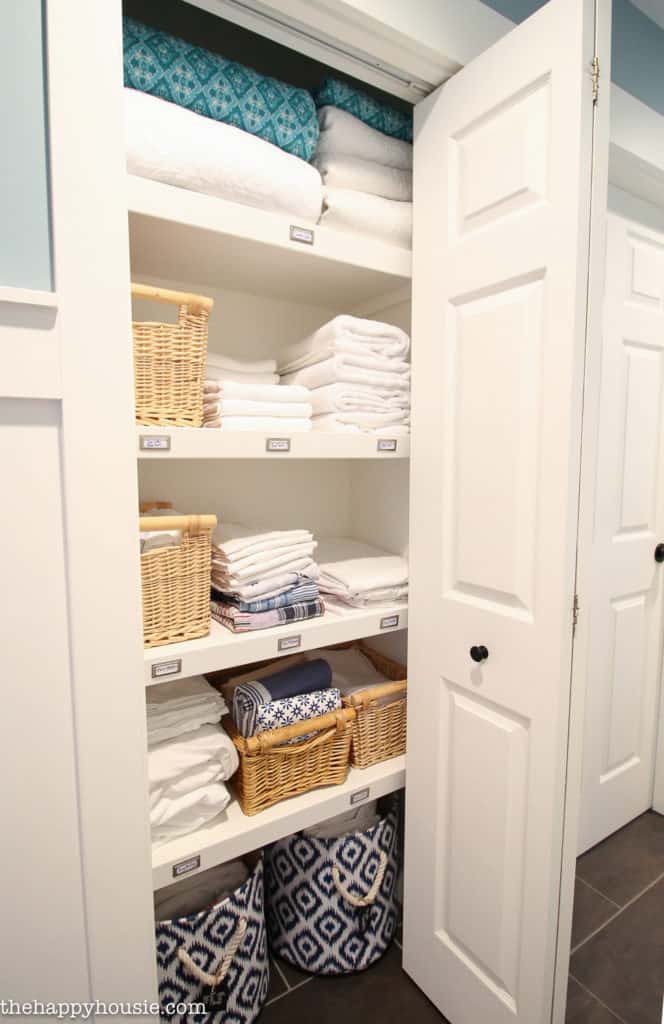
column 616, row 968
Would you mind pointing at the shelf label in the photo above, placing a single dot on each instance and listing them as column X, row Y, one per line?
column 288, row 643
column 360, row 795
column 185, row 866
column 389, row 621
column 304, row 235
column 277, row 444
column 154, row 442
column 386, row 444
column 160, row 669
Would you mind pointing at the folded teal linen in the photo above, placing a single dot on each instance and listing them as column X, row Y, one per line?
column 199, row 80
column 334, row 93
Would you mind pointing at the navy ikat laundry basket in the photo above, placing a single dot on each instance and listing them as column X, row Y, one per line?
column 331, row 903
column 217, row 957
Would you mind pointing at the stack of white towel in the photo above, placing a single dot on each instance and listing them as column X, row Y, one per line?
column 248, row 396
column 367, row 178
column 189, row 756
column 359, row 574
column 357, row 375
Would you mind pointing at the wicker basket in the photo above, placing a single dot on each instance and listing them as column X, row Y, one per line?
column 270, row 772
column 379, row 733
column 169, row 360
column 176, row 581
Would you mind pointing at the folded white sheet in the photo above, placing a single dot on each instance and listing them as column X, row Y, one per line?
column 197, row 778
column 215, row 390
column 244, row 407
column 262, row 564
column 280, row 426
column 342, row 133
column 192, row 894
column 276, row 583
column 364, row 420
column 360, row 574
column 344, row 368
column 207, row 747
column 331, row 423
column 170, row 144
column 235, row 540
column 370, row 342
column 340, row 171
column 361, row 213
column 181, row 706
column 176, row 817
column 343, row 397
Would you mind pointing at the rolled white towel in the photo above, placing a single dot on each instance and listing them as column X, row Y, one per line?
column 341, row 171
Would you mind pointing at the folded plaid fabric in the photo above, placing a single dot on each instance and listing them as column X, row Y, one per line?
column 243, row 622
column 306, row 591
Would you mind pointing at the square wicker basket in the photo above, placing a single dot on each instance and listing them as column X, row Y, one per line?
column 270, row 772
column 379, row 729
column 176, row 580
column 169, row 360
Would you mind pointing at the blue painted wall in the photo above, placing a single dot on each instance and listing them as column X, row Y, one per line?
column 25, row 245
column 637, row 59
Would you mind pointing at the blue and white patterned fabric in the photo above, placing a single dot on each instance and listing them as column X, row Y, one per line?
column 206, row 937
column 297, row 709
column 334, row 93
column 250, row 698
column 310, row 924
column 163, row 65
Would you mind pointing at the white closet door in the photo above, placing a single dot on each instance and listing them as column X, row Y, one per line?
column 626, row 598
column 503, row 159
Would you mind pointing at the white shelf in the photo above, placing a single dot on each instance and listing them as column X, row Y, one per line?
column 224, row 649
column 202, row 443
column 183, row 236
column 233, row 834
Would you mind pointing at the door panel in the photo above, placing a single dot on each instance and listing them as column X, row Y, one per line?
column 626, row 595
column 502, row 181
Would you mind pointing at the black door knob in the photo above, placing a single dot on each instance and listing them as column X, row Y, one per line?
column 479, row 653
column 659, row 553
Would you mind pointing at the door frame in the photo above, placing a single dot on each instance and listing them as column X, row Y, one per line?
column 636, row 166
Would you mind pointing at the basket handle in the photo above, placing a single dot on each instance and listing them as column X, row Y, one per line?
column 215, row 979
column 333, row 721
column 194, row 303
column 361, row 901
column 193, row 524
column 365, row 698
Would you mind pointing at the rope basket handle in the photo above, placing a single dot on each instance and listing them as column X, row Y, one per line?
column 194, row 303
column 215, row 979
column 361, row 901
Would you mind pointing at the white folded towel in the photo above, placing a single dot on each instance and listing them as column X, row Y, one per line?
column 216, row 390
column 344, row 368
column 359, row 573
column 171, row 144
column 342, row 133
column 364, row 214
column 331, row 423
column 279, row 426
column 176, row 817
column 191, row 895
column 340, row 171
column 343, row 397
column 215, row 377
column 207, row 747
column 243, row 407
column 181, row 706
column 371, row 342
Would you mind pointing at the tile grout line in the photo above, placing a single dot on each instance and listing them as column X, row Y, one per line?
column 289, row 991
column 281, row 974
column 617, row 914
column 597, row 999
column 597, row 891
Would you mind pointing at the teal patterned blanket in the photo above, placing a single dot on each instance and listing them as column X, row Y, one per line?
column 165, row 66
column 334, row 93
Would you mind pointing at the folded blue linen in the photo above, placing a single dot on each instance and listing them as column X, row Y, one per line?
column 290, row 682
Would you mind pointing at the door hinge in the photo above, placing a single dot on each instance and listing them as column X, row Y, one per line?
column 575, row 612
column 595, row 76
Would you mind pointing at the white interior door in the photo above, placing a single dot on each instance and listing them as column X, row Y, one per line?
column 624, row 652
column 503, row 158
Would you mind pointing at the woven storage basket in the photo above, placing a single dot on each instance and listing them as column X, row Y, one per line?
column 169, row 360
column 379, row 732
column 270, row 772
column 176, row 581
